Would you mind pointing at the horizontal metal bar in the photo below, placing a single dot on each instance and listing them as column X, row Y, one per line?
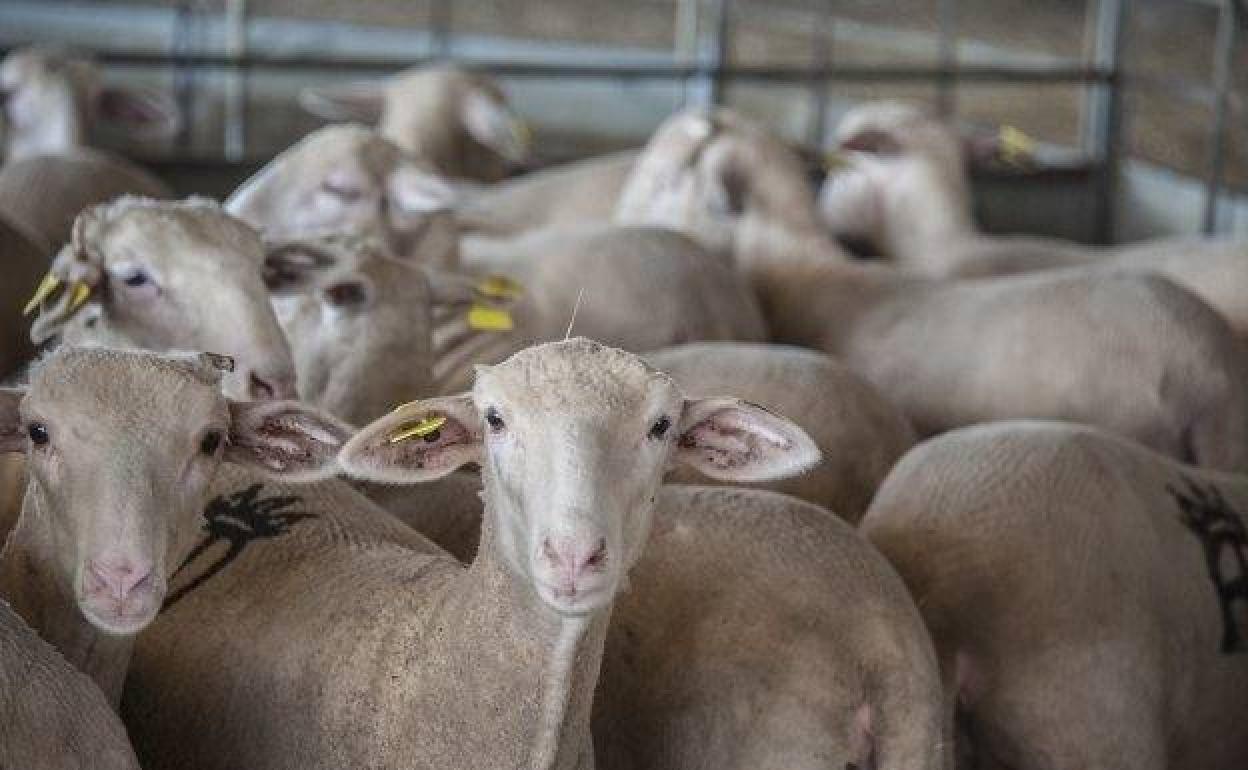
column 1005, row 74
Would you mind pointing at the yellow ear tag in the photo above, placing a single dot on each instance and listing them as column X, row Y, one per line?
column 426, row 429
column 48, row 285
column 484, row 318
column 82, row 293
column 1015, row 145
column 500, row 287
column 523, row 134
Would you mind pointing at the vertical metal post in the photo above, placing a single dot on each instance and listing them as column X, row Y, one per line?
column 183, row 45
column 686, row 43
column 716, row 51
column 235, row 136
column 1223, row 59
column 1103, row 113
column 820, row 90
column 948, row 56
column 440, row 28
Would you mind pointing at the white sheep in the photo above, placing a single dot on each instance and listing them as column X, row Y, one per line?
column 457, row 121
column 1086, row 595
column 904, row 189
column 1134, row 353
column 121, row 448
column 352, row 643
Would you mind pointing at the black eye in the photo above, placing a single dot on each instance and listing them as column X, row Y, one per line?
column 660, row 427
column 137, row 278
column 38, row 433
column 210, row 443
column 493, row 419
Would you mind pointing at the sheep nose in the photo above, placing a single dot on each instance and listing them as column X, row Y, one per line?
column 270, row 387
column 117, row 579
column 572, row 559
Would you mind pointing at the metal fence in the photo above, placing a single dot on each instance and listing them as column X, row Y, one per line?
column 699, row 60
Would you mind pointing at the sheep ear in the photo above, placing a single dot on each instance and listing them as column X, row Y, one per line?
column 495, row 125
column 252, row 199
column 415, row 191
column 145, row 114
column 284, row 439
column 729, row 439
column 295, row 266
column 850, row 203
column 420, row 441
column 351, row 101
column 12, row 438
column 872, row 141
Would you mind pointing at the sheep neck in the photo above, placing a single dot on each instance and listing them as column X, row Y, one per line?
column 561, row 739
column 811, row 293
column 29, row 581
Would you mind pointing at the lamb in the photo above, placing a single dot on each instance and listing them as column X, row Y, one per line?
column 457, row 121
column 594, row 279
column 1133, row 353
column 1085, row 594
column 906, row 191
column 121, row 448
column 859, row 433
column 165, row 275
column 52, row 717
column 52, row 98
column 50, row 101
column 349, row 179
column 524, row 627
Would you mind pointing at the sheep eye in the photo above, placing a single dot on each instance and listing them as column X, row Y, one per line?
column 493, row 419
column 137, row 278
column 38, row 433
column 660, row 427
column 210, row 443
column 346, row 194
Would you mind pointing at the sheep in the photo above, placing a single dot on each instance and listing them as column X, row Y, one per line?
column 52, row 97
column 570, row 194
column 50, row 100
column 166, row 275
column 592, row 279
column 45, row 193
column 1133, row 353
column 905, row 190
column 1085, row 595
column 860, row 434
column 348, row 179
column 457, row 121
column 121, row 449
column 52, row 717
column 372, row 671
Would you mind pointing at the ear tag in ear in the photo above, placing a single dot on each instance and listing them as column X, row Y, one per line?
column 427, row 429
column 47, row 286
column 82, row 292
column 484, row 318
column 500, row 287
column 521, row 132
column 1015, row 147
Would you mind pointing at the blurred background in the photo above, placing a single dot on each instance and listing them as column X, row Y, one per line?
column 1138, row 109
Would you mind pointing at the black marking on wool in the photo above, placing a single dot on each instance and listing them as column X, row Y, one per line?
column 1221, row 531
column 239, row 519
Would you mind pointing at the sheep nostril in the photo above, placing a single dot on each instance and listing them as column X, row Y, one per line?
column 599, row 556
column 259, row 389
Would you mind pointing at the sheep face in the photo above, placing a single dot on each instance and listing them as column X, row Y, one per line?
column 170, row 276
column 573, row 439
column 348, row 179
column 121, row 447
column 359, row 323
